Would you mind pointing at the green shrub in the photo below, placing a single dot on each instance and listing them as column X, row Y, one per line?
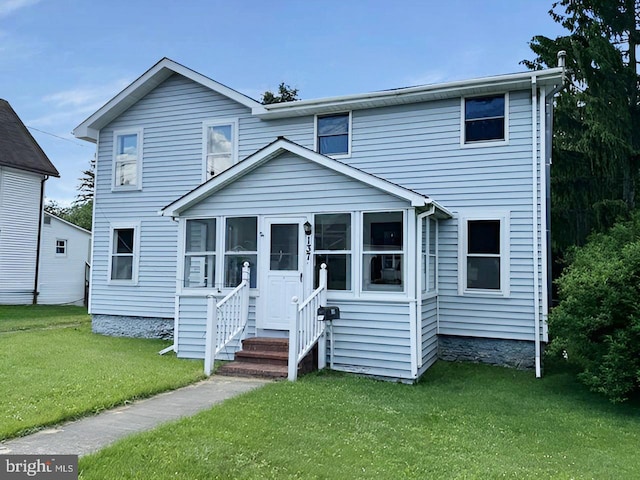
column 597, row 322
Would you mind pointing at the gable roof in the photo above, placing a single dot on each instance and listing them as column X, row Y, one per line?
column 280, row 146
column 88, row 129
column 18, row 149
column 66, row 222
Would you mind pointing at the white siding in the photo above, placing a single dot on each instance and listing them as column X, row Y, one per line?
column 62, row 278
column 19, row 220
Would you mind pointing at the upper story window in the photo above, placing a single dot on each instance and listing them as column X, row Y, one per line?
column 333, row 134
column 485, row 119
column 332, row 240
column 220, row 148
column 383, row 252
column 127, row 160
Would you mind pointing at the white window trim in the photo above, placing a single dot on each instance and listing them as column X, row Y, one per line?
column 234, row 147
column 384, row 294
column 180, row 288
column 136, row 252
column 226, row 252
column 66, row 243
column 138, row 185
column 483, row 143
column 505, row 253
column 316, row 147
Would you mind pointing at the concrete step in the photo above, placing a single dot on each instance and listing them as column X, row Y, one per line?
column 264, row 357
column 266, row 344
column 249, row 369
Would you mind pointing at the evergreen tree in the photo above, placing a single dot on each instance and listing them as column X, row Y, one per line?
column 595, row 168
column 285, row 94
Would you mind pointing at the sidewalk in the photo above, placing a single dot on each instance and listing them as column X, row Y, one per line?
column 90, row 434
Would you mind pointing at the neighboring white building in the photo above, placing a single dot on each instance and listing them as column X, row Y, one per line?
column 24, row 168
column 64, row 259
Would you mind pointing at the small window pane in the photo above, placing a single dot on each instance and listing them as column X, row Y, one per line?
column 284, row 247
column 484, row 237
column 484, row 107
column 491, row 129
column 199, row 271
column 432, row 236
column 122, row 267
column 432, row 273
column 201, row 235
column 242, row 234
column 382, row 231
column 382, row 272
column 338, row 271
column 126, row 173
column 483, row 272
column 333, row 232
column 124, row 240
column 333, row 125
column 233, row 269
column 334, row 145
column 127, row 147
column 61, row 247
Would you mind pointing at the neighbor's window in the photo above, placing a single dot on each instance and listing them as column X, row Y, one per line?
column 61, row 248
column 123, row 254
column 382, row 247
column 220, row 150
column 429, row 254
column 484, row 119
column 333, row 134
column 483, row 254
column 241, row 245
column 200, row 253
column 332, row 241
column 127, row 159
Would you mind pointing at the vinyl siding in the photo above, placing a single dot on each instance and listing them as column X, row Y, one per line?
column 428, row 333
column 19, row 222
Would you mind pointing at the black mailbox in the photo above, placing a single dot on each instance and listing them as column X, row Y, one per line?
column 327, row 314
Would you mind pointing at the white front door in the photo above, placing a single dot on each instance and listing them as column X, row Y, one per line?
column 284, row 272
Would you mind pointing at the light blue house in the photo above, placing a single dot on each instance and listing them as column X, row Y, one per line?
column 428, row 205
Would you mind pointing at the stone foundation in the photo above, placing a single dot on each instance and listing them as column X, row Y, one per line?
column 518, row 354
column 138, row 327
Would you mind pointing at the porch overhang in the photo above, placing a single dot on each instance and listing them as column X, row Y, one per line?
column 282, row 145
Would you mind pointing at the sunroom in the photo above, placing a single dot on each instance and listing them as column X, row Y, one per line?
column 303, row 223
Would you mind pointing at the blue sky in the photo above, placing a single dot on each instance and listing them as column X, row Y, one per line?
column 60, row 60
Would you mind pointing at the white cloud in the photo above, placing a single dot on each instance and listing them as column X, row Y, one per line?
column 7, row 7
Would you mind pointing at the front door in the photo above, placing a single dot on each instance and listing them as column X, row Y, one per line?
column 284, row 273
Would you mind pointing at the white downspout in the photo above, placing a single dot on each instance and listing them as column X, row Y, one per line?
column 534, row 211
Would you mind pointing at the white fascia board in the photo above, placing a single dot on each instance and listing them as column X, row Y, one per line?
column 149, row 80
column 240, row 169
column 420, row 93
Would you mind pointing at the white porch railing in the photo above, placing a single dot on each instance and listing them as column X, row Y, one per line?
column 226, row 319
column 305, row 329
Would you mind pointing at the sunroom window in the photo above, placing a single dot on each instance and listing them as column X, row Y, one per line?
column 241, row 245
column 332, row 241
column 429, row 254
column 383, row 252
column 200, row 253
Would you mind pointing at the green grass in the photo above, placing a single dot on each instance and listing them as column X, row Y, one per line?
column 462, row 421
column 49, row 375
column 20, row 317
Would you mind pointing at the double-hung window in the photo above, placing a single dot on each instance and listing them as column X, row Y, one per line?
column 127, row 160
column 332, row 241
column 220, row 146
column 383, row 252
column 241, row 245
column 125, row 240
column 485, row 119
column 333, row 134
column 200, row 253
column 484, row 257
column 61, row 248
column 429, row 254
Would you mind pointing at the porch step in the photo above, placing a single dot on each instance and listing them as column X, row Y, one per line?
column 267, row 358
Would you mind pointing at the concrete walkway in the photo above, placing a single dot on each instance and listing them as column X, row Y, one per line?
column 90, row 434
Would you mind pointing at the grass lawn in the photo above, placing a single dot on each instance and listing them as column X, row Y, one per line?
column 461, row 421
column 53, row 374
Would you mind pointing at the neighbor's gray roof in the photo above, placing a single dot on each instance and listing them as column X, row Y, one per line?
column 18, row 149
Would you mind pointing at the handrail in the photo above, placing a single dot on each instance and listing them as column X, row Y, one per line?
column 226, row 319
column 305, row 329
